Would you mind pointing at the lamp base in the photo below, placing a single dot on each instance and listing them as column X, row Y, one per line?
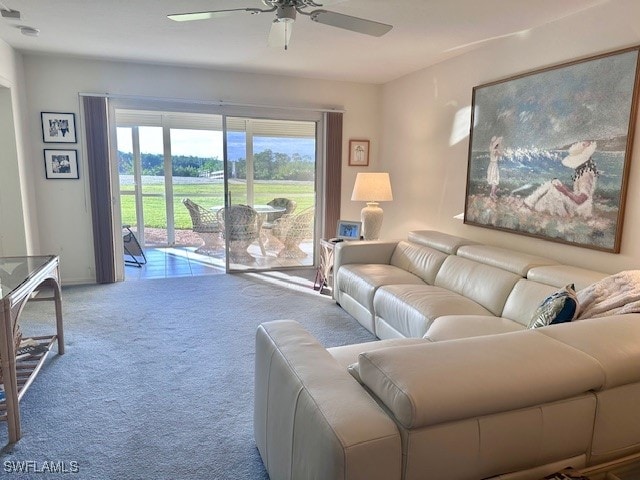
column 371, row 217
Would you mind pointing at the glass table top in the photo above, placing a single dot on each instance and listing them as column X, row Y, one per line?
column 14, row 271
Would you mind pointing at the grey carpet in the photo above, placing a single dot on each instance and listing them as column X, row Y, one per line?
column 157, row 379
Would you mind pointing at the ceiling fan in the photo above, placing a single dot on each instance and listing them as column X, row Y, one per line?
column 285, row 11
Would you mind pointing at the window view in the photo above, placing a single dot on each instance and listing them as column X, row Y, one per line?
column 172, row 187
column 140, row 155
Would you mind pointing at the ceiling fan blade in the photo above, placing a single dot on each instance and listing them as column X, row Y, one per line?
column 355, row 24
column 280, row 34
column 188, row 17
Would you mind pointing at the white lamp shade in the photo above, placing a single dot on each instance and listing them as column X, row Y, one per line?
column 372, row 187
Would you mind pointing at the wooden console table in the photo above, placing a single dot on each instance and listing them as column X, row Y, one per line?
column 20, row 277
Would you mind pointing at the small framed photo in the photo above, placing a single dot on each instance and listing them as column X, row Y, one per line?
column 61, row 164
column 58, row 127
column 348, row 230
column 359, row 153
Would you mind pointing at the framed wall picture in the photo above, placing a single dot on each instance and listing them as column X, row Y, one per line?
column 549, row 151
column 58, row 127
column 359, row 153
column 61, row 164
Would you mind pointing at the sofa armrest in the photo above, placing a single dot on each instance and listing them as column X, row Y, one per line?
column 311, row 418
column 376, row 251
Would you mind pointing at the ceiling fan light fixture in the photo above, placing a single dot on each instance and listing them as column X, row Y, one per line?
column 280, row 34
column 286, row 14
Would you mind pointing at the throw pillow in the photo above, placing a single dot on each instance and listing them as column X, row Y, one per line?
column 559, row 307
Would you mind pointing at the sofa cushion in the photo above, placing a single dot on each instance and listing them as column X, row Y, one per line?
column 407, row 379
column 559, row 307
column 523, row 300
column 451, row 327
column 560, row 275
column 440, row 241
column 410, row 309
column 510, row 260
column 489, row 286
column 418, row 259
column 348, row 354
column 360, row 281
column 612, row 341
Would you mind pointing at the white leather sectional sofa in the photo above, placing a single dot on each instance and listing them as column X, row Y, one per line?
column 458, row 388
column 403, row 288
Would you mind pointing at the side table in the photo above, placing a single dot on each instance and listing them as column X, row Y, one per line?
column 324, row 273
column 19, row 278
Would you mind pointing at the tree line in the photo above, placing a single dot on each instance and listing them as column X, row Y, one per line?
column 267, row 165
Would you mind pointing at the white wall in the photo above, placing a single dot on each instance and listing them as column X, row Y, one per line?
column 17, row 219
column 53, row 84
column 428, row 169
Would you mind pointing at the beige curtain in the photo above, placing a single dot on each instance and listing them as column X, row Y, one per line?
column 97, row 135
column 333, row 174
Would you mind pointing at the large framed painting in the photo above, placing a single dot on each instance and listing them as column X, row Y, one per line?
column 549, row 151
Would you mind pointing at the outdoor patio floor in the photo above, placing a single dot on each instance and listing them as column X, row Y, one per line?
column 180, row 261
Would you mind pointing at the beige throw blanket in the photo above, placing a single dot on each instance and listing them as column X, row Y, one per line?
column 619, row 293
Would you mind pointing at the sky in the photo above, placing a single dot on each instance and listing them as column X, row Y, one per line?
column 208, row 144
column 198, row 143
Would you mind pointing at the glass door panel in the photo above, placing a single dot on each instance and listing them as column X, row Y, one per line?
column 128, row 208
column 141, row 174
column 271, row 167
column 197, row 175
column 152, row 186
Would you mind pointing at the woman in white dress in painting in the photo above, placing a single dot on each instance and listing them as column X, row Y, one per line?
column 557, row 199
column 493, row 172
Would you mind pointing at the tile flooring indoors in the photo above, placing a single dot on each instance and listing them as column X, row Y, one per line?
column 179, row 261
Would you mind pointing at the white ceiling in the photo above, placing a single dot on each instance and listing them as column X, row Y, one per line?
column 424, row 32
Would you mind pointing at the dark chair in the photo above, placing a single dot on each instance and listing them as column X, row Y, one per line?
column 206, row 225
column 133, row 253
column 240, row 229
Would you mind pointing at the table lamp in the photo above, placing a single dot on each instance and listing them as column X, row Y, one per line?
column 372, row 188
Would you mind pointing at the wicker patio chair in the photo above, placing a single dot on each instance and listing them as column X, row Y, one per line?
column 205, row 224
column 271, row 242
column 286, row 203
column 291, row 230
column 240, row 229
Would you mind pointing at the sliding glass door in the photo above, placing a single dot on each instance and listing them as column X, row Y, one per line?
column 163, row 160
column 270, row 176
column 244, row 199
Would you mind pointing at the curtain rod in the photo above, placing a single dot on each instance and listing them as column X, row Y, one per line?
column 219, row 103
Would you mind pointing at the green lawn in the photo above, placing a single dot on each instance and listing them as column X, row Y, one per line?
column 208, row 195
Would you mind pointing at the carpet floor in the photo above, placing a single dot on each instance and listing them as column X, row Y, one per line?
column 157, row 378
